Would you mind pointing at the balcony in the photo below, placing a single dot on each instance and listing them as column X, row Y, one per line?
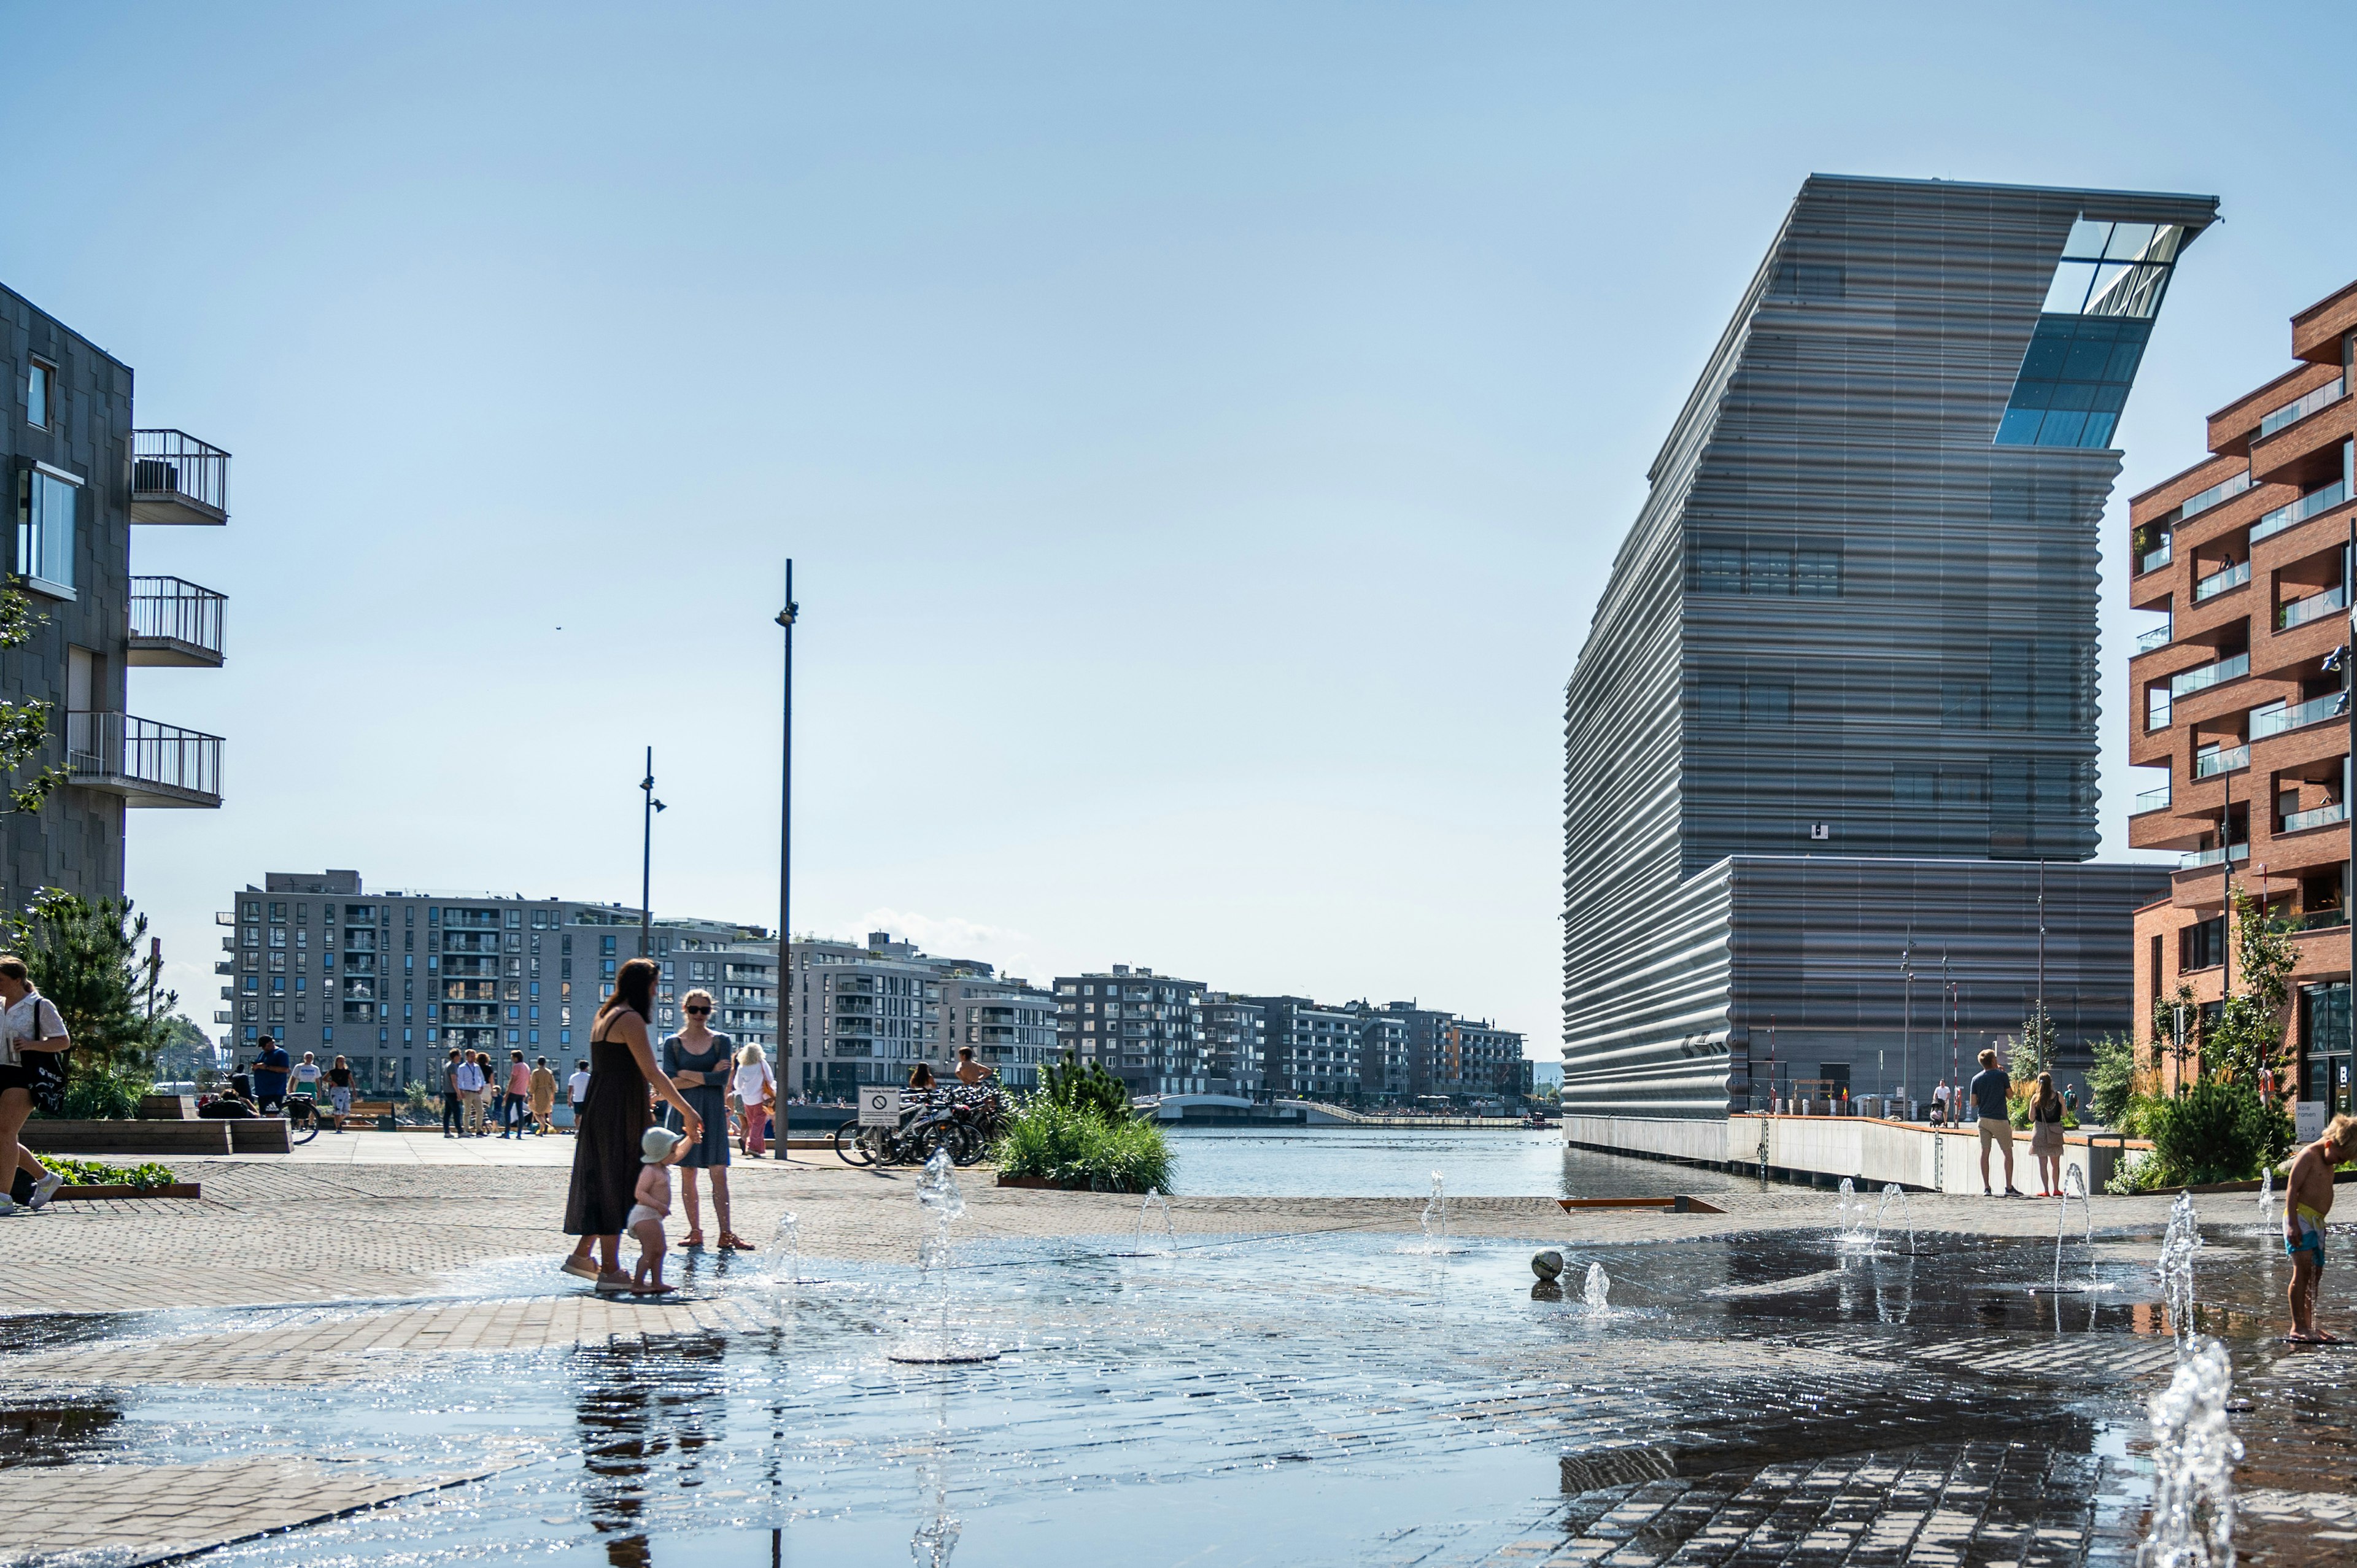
column 2150, row 801
column 2293, row 413
column 2195, row 859
column 2225, row 759
column 2217, row 583
column 2194, row 506
column 2323, row 919
column 2318, row 817
column 176, row 479
column 2299, row 612
column 2156, row 637
column 2281, row 721
column 146, row 763
column 2186, row 683
column 176, row 623
column 2153, row 560
column 2299, row 512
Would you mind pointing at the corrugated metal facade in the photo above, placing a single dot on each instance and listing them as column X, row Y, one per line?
column 1846, row 625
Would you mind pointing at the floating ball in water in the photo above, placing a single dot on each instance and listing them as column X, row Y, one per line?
column 1548, row 1265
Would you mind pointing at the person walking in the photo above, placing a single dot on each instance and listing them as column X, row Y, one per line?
column 757, row 1091
column 2308, row 1198
column 576, row 1089
column 516, row 1104
column 1987, row 1093
column 699, row 1064
column 544, row 1098
column 305, row 1078
column 28, row 1023
column 1940, row 1104
column 339, row 1089
column 453, row 1100
column 612, row 1125
column 471, row 1095
column 2046, row 1108
column 270, row 1070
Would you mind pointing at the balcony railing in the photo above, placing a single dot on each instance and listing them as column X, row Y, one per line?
column 2315, row 817
column 2217, row 583
column 175, row 622
column 2294, row 411
column 2186, row 683
column 2299, row 612
column 2153, row 560
column 148, row 764
column 2150, row 801
column 174, row 478
column 2195, row 859
column 2323, row 919
column 2195, row 506
column 2300, row 510
column 2156, row 637
column 2225, row 759
column 2280, row 721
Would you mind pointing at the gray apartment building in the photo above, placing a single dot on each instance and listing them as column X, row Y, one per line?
column 1834, row 723
column 1010, row 1024
column 1235, row 1042
column 868, row 1012
column 1143, row 1028
column 394, row 980
column 80, row 476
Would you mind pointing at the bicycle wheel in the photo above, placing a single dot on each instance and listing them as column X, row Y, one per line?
column 966, row 1144
column 851, row 1145
column 302, row 1122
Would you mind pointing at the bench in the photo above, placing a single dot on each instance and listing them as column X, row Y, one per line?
column 192, row 1137
column 167, row 1107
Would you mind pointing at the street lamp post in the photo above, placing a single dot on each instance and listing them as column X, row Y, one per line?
column 646, row 860
column 1907, row 1025
column 786, row 833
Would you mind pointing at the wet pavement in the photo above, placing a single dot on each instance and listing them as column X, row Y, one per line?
column 1229, row 1392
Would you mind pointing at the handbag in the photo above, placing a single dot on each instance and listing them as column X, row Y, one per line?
column 45, row 1071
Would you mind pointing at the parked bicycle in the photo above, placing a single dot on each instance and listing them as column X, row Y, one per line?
column 937, row 1121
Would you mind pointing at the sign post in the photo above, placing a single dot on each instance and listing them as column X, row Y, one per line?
column 2308, row 1120
column 879, row 1105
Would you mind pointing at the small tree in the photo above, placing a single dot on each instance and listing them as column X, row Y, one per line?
column 84, row 956
column 2111, row 1079
column 2166, row 1041
column 2032, row 1051
column 2250, row 1030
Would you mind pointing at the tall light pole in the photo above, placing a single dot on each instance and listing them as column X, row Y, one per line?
column 646, row 860
column 786, row 832
column 1907, row 1028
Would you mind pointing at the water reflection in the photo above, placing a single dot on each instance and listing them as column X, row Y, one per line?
column 642, row 1410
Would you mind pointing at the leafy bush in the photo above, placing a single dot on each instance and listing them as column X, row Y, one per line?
column 2216, row 1132
column 104, row 1096
column 422, row 1102
column 1077, row 1147
column 1088, row 1088
column 2139, row 1172
column 2110, row 1081
column 98, row 1173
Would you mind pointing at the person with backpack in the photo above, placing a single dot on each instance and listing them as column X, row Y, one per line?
column 33, row 1044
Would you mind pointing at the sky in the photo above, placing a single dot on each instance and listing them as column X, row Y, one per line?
column 1201, row 432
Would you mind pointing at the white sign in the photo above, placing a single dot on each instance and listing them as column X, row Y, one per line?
column 879, row 1105
column 1821, row 830
column 2308, row 1120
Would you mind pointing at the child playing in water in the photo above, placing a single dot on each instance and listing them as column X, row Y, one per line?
column 2308, row 1198
column 652, row 1206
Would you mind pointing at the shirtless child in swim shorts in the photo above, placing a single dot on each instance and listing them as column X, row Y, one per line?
column 2308, row 1198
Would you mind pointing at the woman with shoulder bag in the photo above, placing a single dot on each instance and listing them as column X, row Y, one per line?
column 32, row 1046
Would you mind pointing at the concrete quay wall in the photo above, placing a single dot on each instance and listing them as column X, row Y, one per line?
column 1823, row 1149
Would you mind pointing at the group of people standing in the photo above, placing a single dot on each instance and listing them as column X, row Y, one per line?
column 621, row 1157
column 475, row 1089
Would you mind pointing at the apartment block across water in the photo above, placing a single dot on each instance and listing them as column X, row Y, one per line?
column 2243, row 708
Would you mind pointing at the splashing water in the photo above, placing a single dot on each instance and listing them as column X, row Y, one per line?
column 2178, row 1246
column 938, row 1195
column 782, row 1264
column 2266, row 1195
column 1849, row 1225
column 1597, row 1294
column 1435, row 1222
column 2193, row 1457
column 2074, row 1184
column 1906, row 1209
column 1167, row 1244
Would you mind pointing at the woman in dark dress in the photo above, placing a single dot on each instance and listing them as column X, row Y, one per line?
column 699, row 1062
column 614, row 1118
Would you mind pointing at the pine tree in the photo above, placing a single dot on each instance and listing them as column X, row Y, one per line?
column 84, row 955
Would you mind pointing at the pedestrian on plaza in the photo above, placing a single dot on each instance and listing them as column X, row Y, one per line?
column 576, row 1089
column 28, row 1023
column 516, row 1104
column 2266, row 1084
column 339, row 1089
column 2046, row 1108
column 270, row 1070
column 757, row 1091
column 487, row 1099
column 305, row 1078
column 613, row 1123
column 2308, row 1198
column 454, row 1098
column 1987, row 1092
column 1940, row 1104
column 544, row 1098
column 699, row 1063
column 470, row 1094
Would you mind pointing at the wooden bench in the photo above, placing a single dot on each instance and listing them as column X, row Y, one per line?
column 192, row 1137
column 167, row 1107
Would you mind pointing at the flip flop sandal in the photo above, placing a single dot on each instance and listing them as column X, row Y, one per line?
column 694, row 1240
column 613, row 1284
column 732, row 1242
column 579, row 1267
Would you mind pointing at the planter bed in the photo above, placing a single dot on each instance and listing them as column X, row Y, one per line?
column 1041, row 1183
column 170, row 1189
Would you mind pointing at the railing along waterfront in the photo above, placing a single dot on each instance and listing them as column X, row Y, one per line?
column 2300, row 510
column 2301, row 408
column 2186, row 683
column 2315, row 817
column 2225, row 759
column 2195, row 859
column 170, row 607
column 2217, row 583
column 2278, row 721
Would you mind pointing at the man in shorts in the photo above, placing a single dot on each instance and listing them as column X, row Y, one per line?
column 270, row 1072
column 2308, row 1198
column 1987, row 1093
column 576, row 1088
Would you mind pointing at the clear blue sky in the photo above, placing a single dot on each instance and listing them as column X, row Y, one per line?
column 1202, row 430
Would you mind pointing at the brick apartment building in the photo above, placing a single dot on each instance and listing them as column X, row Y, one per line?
column 2242, row 700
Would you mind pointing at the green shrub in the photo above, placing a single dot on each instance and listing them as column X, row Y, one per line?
column 2111, row 1080
column 2139, row 1172
column 422, row 1102
column 1075, row 1147
column 2216, row 1132
column 98, row 1173
column 1087, row 1087
column 104, row 1096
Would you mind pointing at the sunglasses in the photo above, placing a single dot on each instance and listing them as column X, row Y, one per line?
column 699, row 1009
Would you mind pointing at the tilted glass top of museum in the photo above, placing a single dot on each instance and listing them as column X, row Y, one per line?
column 1856, row 616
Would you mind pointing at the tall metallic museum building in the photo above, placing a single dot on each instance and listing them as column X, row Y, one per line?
column 1831, row 745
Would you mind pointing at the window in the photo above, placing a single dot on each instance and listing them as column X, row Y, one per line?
column 1963, row 705
column 1767, row 703
column 1720, row 702
column 1767, row 571
column 1816, row 574
column 2156, row 707
column 41, row 393
column 46, row 500
column 2090, row 333
column 1718, row 569
column 2203, row 945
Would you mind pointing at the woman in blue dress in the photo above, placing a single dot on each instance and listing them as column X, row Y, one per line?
column 698, row 1061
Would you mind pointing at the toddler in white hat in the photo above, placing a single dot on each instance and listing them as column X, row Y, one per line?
column 658, row 1148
